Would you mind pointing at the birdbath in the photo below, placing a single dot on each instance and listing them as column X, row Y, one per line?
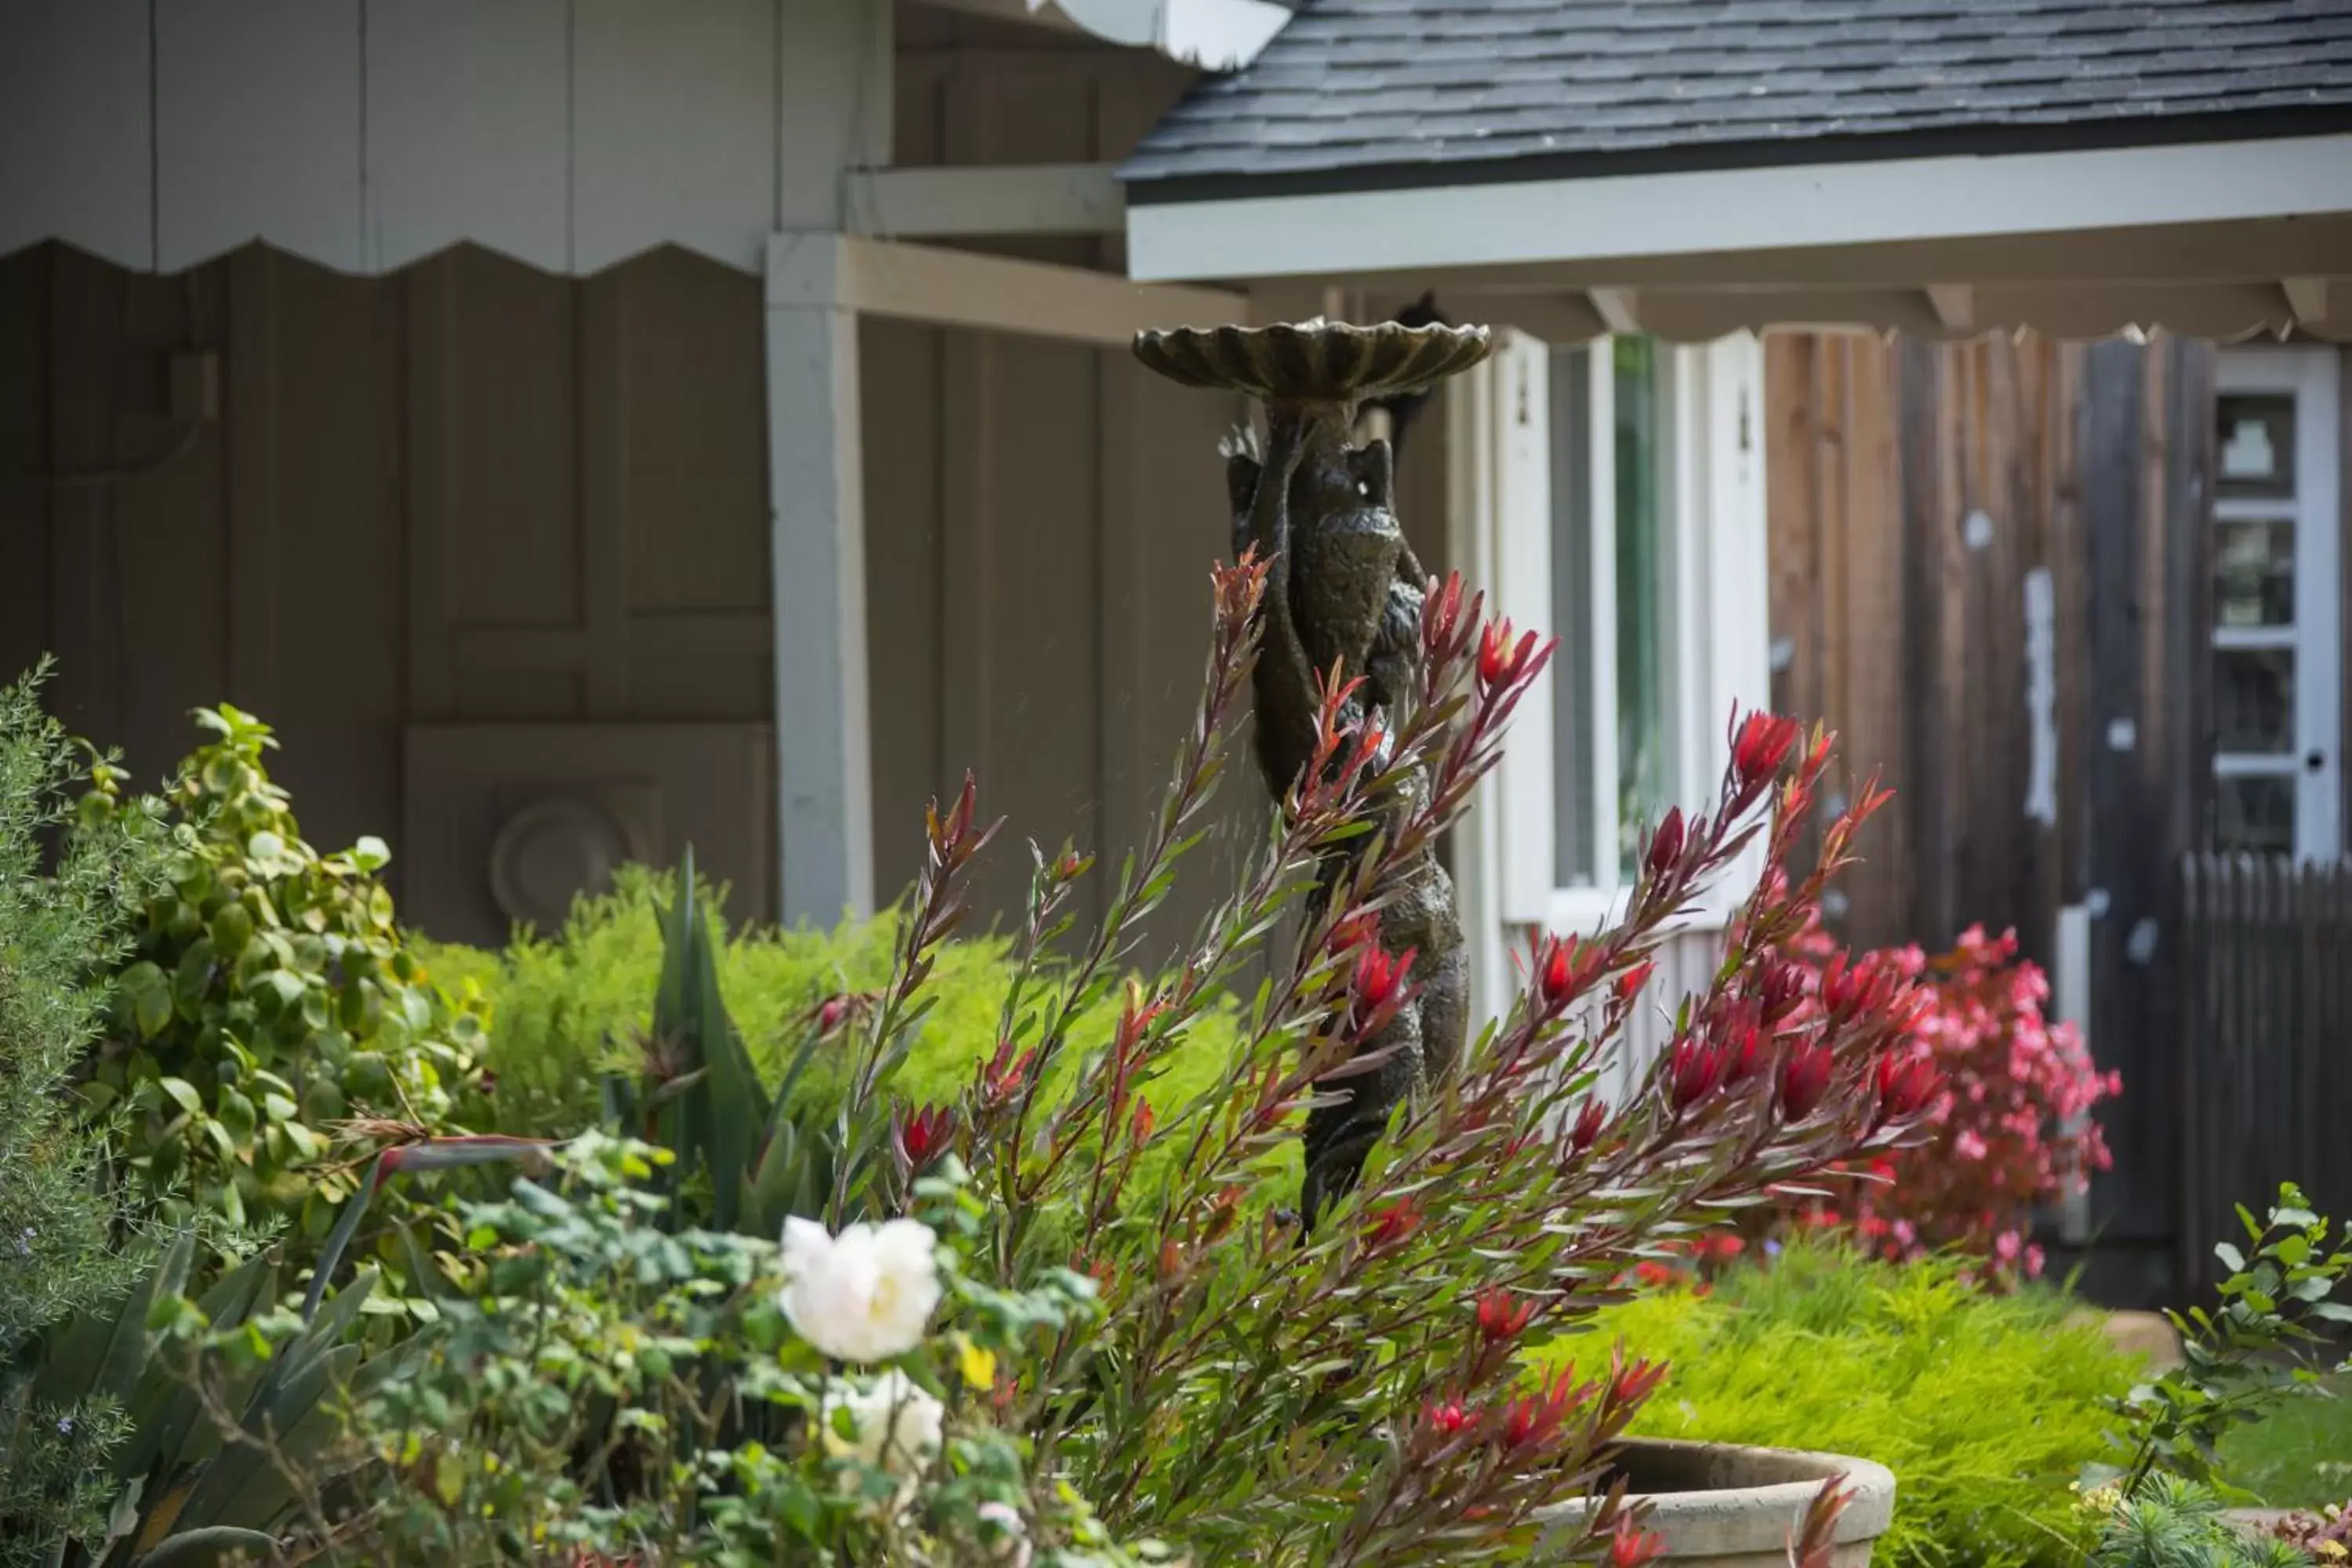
column 1343, row 589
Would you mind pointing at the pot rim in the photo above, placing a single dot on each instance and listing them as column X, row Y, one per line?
column 1866, row 1518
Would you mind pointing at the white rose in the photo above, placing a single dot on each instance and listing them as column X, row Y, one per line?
column 899, row 1427
column 1012, row 1532
column 863, row 1294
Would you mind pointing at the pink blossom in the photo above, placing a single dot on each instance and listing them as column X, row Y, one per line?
column 1970, row 1144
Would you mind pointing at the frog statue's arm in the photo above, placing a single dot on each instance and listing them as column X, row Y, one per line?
column 1258, row 486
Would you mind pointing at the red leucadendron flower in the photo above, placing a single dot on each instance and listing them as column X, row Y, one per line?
column 925, row 1136
column 1502, row 1315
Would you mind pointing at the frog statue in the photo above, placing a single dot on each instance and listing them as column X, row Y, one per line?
column 1343, row 589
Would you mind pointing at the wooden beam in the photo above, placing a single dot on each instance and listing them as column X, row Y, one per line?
column 943, row 203
column 1955, row 305
column 947, row 288
column 1615, row 307
column 2307, row 298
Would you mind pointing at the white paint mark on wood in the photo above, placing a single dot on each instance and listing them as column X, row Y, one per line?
column 257, row 111
column 2095, row 903
column 2122, row 734
column 75, row 123
column 1784, row 653
column 1976, row 529
column 2041, row 697
column 2140, row 946
column 468, row 129
column 2071, row 987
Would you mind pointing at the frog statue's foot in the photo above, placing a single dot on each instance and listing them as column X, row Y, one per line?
column 1314, row 361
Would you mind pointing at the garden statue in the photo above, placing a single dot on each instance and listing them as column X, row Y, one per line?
column 1343, row 591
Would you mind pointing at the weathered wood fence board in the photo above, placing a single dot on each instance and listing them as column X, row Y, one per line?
column 2265, row 1045
column 1985, row 577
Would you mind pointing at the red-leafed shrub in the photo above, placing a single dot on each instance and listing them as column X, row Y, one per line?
column 2012, row 1130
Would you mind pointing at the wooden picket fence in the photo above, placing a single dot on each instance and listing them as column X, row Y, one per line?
column 2265, row 1045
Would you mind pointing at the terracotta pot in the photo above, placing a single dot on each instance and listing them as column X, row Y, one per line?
column 1736, row 1507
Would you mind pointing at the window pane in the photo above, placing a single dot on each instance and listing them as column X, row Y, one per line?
column 2255, row 815
column 1643, row 768
column 2253, row 699
column 1574, row 809
column 2256, row 444
column 2253, row 574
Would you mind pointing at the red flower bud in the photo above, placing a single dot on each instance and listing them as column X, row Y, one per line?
column 1743, row 1054
column 1144, row 1121
column 1630, row 984
column 1447, row 1418
column 1630, row 1382
column 1391, row 1223
column 1762, row 744
column 925, row 1136
column 1693, row 1070
column 1632, row 1546
column 1499, row 657
column 1905, row 1085
column 1502, row 1315
column 1805, row 1078
column 1667, row 844
column 1005, row 1075
column 1781, row 989
column 1536, row 1418
column 1379, row 985
column 1589, row 1123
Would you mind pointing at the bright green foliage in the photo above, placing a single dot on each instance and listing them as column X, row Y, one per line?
column 271, row 995
column 1985, row 1408
column 2241, row 1360
column 2169, row 1522
column 63, row 1229
column 567, row 1010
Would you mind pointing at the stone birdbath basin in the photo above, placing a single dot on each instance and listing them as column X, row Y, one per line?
column 1730, row 1505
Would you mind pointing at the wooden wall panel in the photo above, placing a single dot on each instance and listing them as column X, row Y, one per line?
column 1917, row 492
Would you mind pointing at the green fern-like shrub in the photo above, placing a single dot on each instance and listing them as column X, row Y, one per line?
column 567, row 1007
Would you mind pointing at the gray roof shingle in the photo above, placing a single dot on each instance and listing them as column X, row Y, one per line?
column 1432, row 90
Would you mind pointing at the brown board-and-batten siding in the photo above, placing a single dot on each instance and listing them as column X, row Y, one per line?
column 1986, row 576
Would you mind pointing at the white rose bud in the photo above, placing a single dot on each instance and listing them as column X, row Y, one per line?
column 863, row 1294
column 899, row 1427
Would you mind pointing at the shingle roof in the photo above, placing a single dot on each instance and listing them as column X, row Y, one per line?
column 1423, row 89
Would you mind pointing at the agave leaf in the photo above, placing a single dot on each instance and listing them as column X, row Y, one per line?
column 226, row 1493
column 718, row 1122
column 201, row 1546
column 164, row 1409
column 103, row 1355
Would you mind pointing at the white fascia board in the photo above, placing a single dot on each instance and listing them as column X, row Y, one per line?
column 967, row 200
column 1214, row 34
column 1723, row 210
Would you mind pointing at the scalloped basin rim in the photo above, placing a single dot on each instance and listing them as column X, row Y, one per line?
column 1729, row 1501
column 1315, row 360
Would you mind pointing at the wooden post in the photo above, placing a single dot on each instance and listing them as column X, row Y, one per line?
column 834, row 60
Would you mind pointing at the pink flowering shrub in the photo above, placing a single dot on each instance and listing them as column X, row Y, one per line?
column 2012, row 1132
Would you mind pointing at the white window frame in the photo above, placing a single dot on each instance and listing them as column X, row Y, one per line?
column 2316, row 638
column 1718, row 656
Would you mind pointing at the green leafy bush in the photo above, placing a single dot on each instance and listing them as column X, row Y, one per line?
column 1987, row 1409
column 564, row 1010
column 269, row 995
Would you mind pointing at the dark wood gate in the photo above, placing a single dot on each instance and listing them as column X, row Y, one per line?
column 2265, row 1043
